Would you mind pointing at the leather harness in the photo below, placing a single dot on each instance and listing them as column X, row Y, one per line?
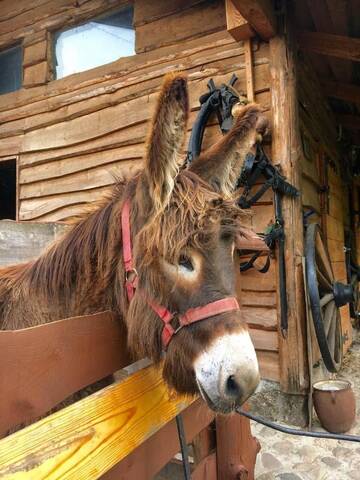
column 192, row 315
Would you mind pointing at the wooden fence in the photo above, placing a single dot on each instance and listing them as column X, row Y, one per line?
column 124, row 431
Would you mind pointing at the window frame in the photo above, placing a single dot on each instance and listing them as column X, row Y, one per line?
column 58, row 31
column 11, row 46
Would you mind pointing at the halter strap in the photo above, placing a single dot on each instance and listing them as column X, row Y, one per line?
column 192, row 315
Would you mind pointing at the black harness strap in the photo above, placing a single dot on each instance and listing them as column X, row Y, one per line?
column 221, row 100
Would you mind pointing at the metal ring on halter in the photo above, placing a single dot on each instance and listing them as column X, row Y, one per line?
column 130, row 272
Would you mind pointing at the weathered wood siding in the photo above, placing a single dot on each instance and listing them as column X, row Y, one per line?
column 73, row 135
column 322, row 170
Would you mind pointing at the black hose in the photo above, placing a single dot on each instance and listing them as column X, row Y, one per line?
column 298, row 432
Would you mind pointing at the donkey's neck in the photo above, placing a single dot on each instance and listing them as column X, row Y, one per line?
column 79, row 274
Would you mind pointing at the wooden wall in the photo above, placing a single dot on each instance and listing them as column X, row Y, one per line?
column 71, row 136
column 323, row 188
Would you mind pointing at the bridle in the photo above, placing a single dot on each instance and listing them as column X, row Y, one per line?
column 173, row 322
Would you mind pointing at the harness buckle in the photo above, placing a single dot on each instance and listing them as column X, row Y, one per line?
column 131, row 275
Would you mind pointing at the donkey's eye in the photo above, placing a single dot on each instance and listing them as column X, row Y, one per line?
column 226, row 236
column 185, row 262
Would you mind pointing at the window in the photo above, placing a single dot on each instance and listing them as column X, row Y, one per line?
column 95, row 43
column 8, row 190
column 10, row 69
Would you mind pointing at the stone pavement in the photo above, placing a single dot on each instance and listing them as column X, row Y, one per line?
column 285, row 457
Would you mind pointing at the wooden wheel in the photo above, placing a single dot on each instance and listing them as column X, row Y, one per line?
column 324, row 298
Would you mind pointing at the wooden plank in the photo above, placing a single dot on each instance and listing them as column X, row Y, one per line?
column 35, row 74
column 89, row 437
column 255, row 299
column 79, row 351
column 335, row 228
column 147, row 459
column 91, row 178
column 336, row 250
column 60, row 168
column 257, row 317
column 261, row 282
column 338, row 46
column 344, row 91
column 35, row 53
column 286, row 148
column 264, row 340
column 147, row 11
column 260, row 15
column 39, row 208
column 236, row 448
column 20, row 242
column 236, row 24
column 193, row 22
column 269, row 363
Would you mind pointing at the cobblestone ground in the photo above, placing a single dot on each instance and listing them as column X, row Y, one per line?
column 285, row 457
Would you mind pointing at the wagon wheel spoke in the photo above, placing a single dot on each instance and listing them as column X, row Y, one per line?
column 331, row 336
column 323, row 259
column 330, row 310
column 323, row 281
column 326, row 299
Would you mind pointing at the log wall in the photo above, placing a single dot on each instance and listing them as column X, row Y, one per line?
column 73, row 135
column 323, row 188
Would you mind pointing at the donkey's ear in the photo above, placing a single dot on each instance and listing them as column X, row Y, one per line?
column 166, row 138
column 221, row 164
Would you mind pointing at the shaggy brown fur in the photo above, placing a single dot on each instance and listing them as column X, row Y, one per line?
column 172, row 215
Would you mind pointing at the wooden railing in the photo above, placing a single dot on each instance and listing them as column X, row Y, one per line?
column 124, row 431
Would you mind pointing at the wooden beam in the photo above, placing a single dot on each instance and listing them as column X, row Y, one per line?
column 330, row 17
column 347, row 120
column 286, row 151
column 89, row 437
column 236, row 24
column 260, row 15
column 329, row 44
column 344, row 91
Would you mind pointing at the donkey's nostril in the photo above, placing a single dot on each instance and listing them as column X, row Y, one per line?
column 232, row 388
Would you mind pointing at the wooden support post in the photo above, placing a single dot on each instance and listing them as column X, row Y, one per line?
column 286, row 148
column 249, row 70
column 236, row 448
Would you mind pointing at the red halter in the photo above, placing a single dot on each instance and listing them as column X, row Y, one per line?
column 192, row 315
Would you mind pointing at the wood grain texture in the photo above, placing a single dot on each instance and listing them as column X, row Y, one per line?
column 193, row 22
column 86, row 439
column 79, row 351
column 338, row 46
column 236, row 24
column 147, row 459
column 260, row 15
column 286, row 150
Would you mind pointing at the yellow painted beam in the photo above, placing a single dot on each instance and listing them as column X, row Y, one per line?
column 85, row 440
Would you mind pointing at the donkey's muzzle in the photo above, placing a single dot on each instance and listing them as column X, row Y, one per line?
column 227, row 372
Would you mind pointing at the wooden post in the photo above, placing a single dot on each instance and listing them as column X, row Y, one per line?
column 249, row 70
column 236, row 448
column 286, row 149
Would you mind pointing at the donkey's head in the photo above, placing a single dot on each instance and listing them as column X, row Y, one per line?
column 185, row 228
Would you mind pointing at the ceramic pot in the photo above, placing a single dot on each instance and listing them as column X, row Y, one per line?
column 334, row 403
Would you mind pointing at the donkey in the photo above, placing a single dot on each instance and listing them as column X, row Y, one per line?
column 180, row 230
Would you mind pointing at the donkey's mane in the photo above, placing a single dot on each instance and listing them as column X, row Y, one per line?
column 87, row 256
